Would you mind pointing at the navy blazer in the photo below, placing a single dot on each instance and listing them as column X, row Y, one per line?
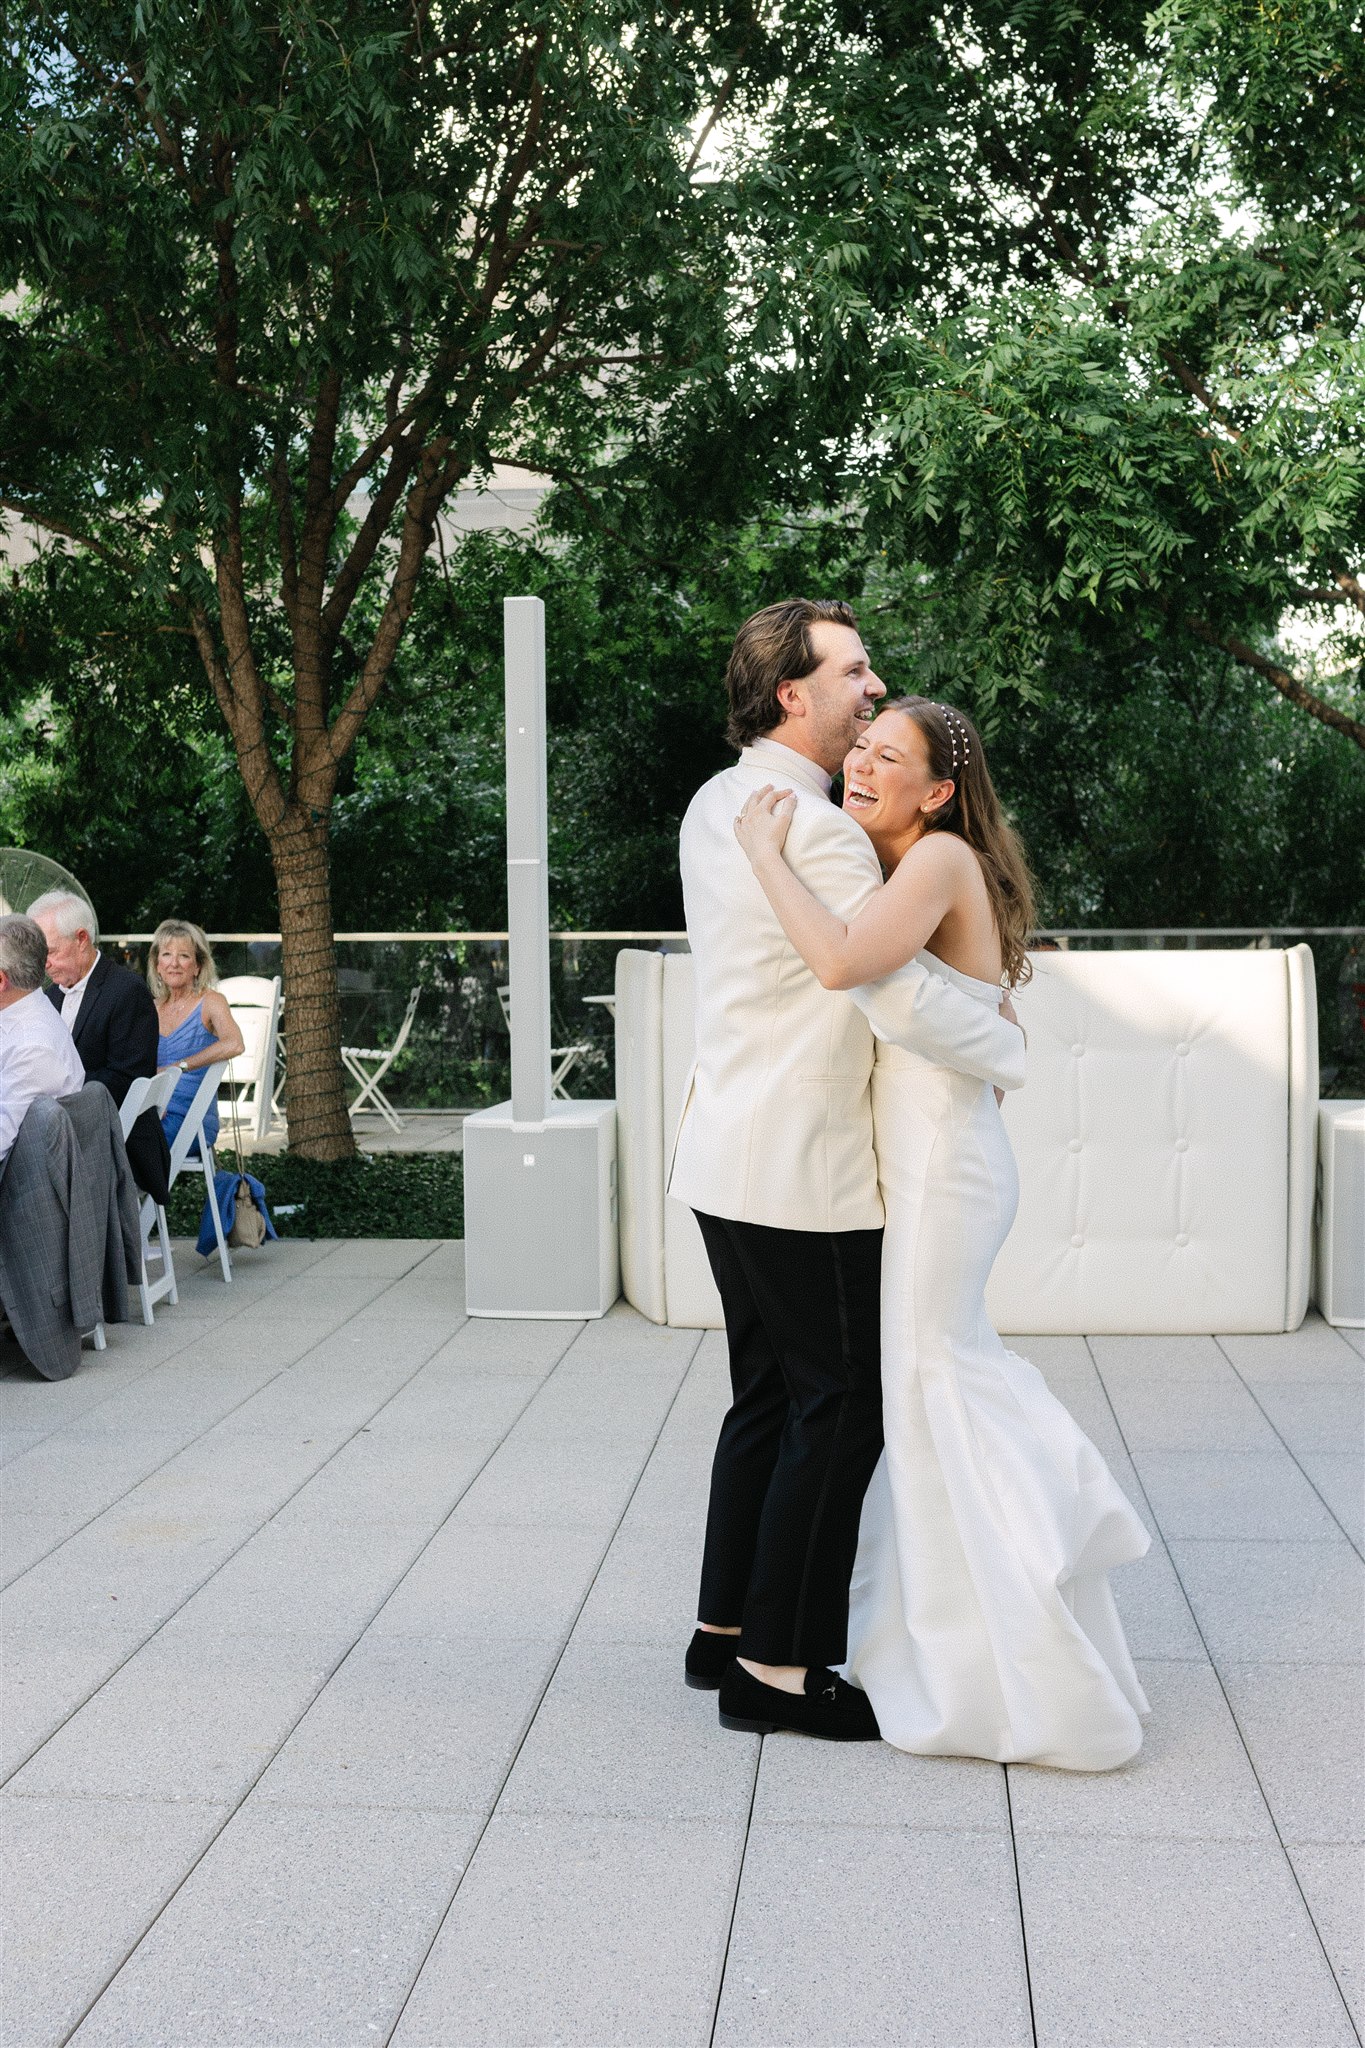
column 117, row 1035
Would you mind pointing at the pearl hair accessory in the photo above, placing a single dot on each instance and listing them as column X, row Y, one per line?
column 958, row 736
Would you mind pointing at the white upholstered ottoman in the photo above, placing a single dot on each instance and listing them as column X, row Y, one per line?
column 1166, row 1143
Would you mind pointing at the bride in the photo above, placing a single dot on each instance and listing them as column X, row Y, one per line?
column 981, row 1622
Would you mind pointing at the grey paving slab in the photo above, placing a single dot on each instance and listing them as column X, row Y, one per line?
column 625, row 1338
column 1332, row 1878
column 1173, row 1359
column 557, row 1482
column 48, row 1674
column 1156, row 1616
column 375, row 1478
column 1057, row 1358
column 1229, row 1494
column 581, row 1933
column 619, row 1733
column 386, row 1258
column 1315, row 1351
column 483, row 1346
column 1274, row 1603
column 83, row 1472
column 316, row 1579
column 609, row 1401
column 674, row 1489
column 1356, row 1340
column 875, row 1936
column 1211, row 1413
column 1339, row 1477
column 130, row 1568
column 407, row 1722
column 25, row 1538
column 231, row 1473
column 1162, row 1944
column 1304, row 1725
column 1191, row 1777
column 871, row 1785
column 326, row 1396
column 190, row 1716
column 494, row 1581
column 83, row 1878
column 1317, row 1415
column 299, row 1927
column 438, row 1402
column 16, row 1441
column 646, row 1590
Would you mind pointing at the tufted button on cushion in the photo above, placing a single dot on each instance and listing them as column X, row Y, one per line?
column 1181, row 1237
column 1078, row 1050
column 1078, row 1240
column 1182, row 1144
column 1182, row 1049
column 1074, row 1145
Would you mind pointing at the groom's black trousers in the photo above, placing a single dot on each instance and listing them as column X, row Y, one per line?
column 801, row 1440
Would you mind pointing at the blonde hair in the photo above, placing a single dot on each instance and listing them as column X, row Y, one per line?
column 973, row 811
column 206, row 974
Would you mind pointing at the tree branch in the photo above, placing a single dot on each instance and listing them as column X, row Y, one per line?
column 1288, row 685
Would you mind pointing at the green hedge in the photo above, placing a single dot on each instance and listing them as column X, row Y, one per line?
column 384, row 1194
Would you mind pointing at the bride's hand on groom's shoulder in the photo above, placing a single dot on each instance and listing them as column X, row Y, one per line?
column 761, row 827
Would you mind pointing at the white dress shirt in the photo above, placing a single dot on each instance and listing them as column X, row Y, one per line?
column 37, row 1057
column 71, row 997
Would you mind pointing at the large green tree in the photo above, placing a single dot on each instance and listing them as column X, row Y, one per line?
column 280, row 279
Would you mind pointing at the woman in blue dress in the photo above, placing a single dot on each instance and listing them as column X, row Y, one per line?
column 197, row 1026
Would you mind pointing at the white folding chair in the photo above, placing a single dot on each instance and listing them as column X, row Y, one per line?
column 563, row 1058
column 254, row 1000
column 151, row 1091
column 153, row 1214
column 359, row 1059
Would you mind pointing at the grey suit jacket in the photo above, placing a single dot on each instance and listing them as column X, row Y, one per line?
column 59, row 1205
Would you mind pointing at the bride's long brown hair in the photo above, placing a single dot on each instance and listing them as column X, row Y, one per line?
column 973, row 812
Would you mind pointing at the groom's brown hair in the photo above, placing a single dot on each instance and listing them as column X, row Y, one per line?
column 773, row 647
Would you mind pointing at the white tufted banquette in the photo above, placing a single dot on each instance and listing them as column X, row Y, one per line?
column 1165, row 1138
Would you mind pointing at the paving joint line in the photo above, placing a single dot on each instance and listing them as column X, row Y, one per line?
column 734, row 1903
column 223, row 1562
column 1213, row 1666
column 310, row 1703
column 1019, row 1896
column 1290, row 1451
column 550, row 1679
column 188, row 1444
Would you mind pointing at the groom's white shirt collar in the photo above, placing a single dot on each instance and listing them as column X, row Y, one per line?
column 787, row 765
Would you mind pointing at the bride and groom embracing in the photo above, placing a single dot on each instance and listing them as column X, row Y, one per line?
column 908, row 1536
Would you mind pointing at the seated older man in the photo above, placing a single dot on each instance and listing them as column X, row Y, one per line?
column 110, row 1013
column 38, row 1055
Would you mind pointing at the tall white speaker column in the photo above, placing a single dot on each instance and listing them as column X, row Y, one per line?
column 1339, row 1262
column 539, row 1174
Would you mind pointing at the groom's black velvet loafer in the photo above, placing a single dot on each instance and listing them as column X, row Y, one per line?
column 708, row 1658
column 830, row 1707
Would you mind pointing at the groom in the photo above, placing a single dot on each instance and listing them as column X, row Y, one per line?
column 774, row 1153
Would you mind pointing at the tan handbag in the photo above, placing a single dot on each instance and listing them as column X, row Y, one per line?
column 248, row 1224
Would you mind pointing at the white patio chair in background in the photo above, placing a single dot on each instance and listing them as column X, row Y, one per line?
column 151, row 1091
column 254, row 1000
column 563, row 1058
column 368, row 1065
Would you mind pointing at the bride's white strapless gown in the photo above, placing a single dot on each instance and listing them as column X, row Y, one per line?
column 981, row 1622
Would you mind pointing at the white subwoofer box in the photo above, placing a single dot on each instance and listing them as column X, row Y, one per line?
column 541, row 1234
column 1339, row 1244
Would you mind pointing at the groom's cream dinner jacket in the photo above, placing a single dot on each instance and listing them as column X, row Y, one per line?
column 776, row 1125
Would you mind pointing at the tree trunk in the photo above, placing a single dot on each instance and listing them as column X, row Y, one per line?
column 315, row 1088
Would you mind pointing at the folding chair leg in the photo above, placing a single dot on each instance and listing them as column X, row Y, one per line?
column 163, row 1231
column 98, row 1334
column 224, row 1258
column 386, row 1108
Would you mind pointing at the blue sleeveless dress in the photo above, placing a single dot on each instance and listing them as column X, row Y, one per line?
column 187, row 1039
